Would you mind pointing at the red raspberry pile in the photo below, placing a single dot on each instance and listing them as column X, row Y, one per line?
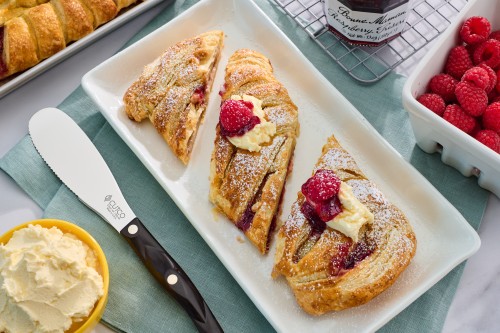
column 467, row 93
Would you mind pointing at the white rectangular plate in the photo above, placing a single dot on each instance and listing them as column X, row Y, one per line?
column 445, row 238
column 16, row 81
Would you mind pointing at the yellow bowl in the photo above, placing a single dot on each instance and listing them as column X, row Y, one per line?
column 91, row 321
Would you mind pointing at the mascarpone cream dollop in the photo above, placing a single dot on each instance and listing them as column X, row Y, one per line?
column 47, row 281
column 353, row 216
column 261, row 133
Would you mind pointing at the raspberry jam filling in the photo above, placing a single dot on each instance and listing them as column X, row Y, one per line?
column 222, row 90
column 337, row 265
column 237, row 118
column 3, row 66
column 198, row 96
column 347, row 258
column 315, row 222
column 246, row 220
column 360, row 251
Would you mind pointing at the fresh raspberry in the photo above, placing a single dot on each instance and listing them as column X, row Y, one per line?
column 433, row 102
column 472, row 99
column 495, row 35
column 322, row 186
column 492, row 96
column 321, row 192
column 236, row 117
column 443, row 85
column 488, row 53
column 456, row 116
column 491, row 117
column 477, row 76
column 475, row 30
column 497, row 87
column 471, row 49
column 492, row 75
column 458, row 62
column 489, row 138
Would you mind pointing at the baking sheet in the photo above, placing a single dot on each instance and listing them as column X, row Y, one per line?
column 9, row 84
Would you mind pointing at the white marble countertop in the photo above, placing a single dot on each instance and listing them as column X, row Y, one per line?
column 475, row 307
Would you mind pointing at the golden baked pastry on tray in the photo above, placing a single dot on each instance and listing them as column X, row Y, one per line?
column 254, row 144
column 344, row 242
column 173, row 90
column 34, row 30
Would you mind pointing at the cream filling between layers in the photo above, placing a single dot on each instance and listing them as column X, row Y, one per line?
column 195, row 109
column 354, row 214
column 260, row 134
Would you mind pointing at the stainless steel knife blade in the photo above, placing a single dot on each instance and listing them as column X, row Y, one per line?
column 76, row 161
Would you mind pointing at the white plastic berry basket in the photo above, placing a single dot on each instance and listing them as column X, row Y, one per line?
column 433, row 133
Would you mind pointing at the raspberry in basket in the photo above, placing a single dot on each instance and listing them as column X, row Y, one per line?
column 497, row 86
column 493, row 96
column 488, row 53
column 456, row 116
column 489, row 138
column 495, row 35
column 472, row 99
column 495, row 99
column 492, row 75
column 458, row 62
column 443, row 85
column 491, row 117
column 475, row 30
column 477, row 76
column 433, row 102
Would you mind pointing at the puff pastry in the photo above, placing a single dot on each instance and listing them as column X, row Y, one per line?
column 33, row 30
column 247, row 186
column 306, row 257
column 173, row 90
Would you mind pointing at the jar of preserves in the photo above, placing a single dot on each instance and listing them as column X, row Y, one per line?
column 366, row 22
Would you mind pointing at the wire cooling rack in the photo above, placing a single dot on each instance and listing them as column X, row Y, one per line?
column 368, row 64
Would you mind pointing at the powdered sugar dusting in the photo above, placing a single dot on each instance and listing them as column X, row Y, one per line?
column 337, row 159
column 280, row 116
column 389, row 241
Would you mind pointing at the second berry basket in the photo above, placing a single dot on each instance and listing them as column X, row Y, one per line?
column 433, row 133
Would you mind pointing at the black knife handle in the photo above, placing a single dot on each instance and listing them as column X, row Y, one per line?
column 170, row 275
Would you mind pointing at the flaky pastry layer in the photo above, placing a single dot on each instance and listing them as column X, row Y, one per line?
column 247, row 186
column 305, row 258
column 173, row 90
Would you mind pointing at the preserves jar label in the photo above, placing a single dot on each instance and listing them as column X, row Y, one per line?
column 366, row 26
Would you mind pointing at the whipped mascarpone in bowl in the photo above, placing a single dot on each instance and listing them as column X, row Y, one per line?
column 53, row 278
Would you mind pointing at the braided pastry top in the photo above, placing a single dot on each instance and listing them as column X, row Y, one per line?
column 246, row 186
column 367, row 268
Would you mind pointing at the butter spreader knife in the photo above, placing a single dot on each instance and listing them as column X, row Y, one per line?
column 76, row 161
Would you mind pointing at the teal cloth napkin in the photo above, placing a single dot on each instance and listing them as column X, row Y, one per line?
column 136, row 302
